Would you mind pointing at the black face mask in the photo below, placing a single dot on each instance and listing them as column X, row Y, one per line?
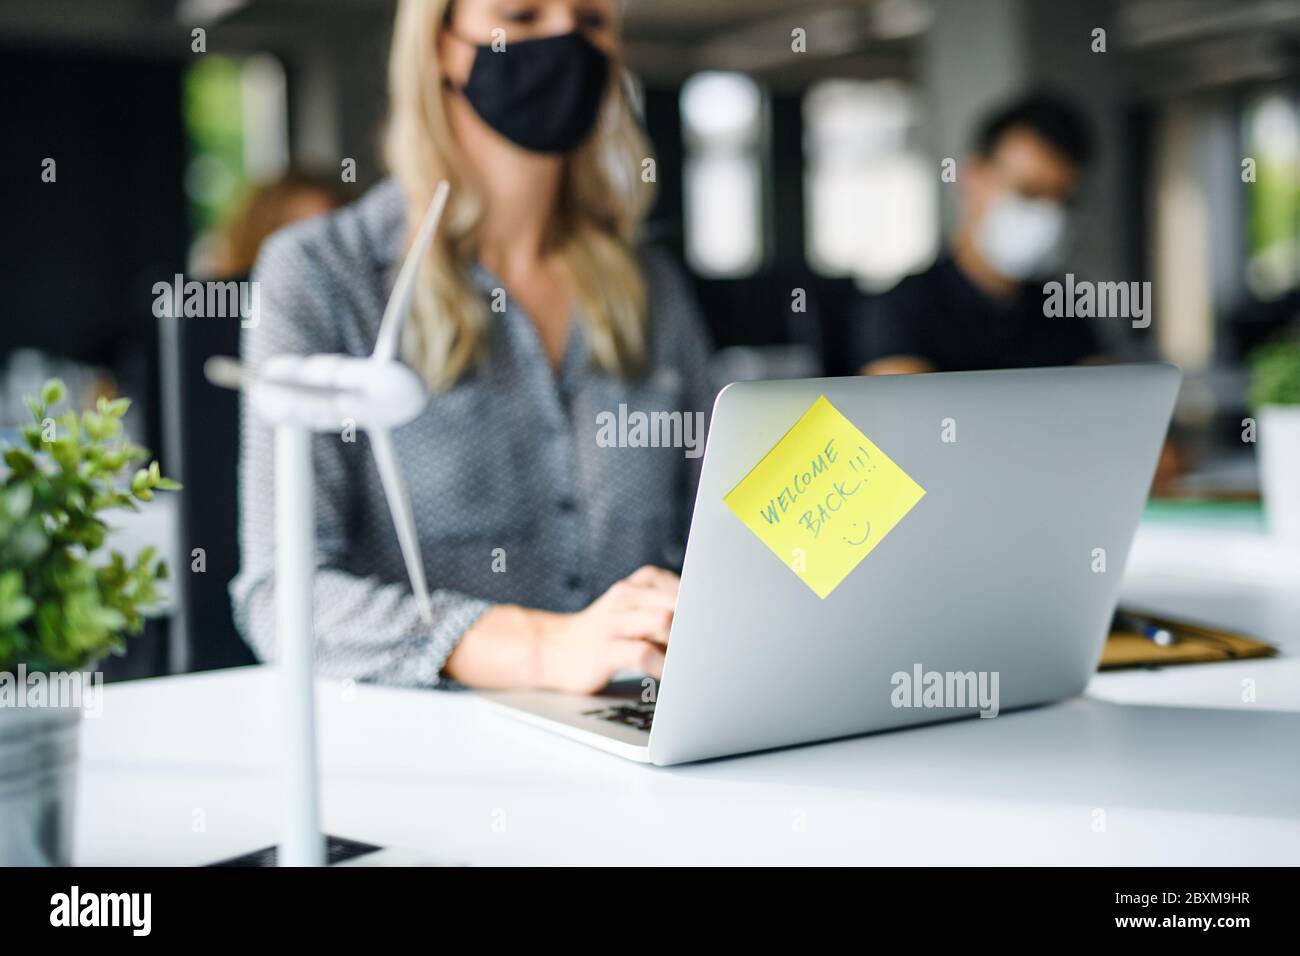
column 543, row 95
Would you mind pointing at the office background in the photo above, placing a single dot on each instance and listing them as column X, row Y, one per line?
column 780, row 166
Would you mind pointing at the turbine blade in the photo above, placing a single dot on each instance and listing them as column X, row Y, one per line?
column 225, row 372
column 399, row 303
column 307, row 390
column 399, row 504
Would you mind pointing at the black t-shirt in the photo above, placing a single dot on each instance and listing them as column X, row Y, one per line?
column 941, row 316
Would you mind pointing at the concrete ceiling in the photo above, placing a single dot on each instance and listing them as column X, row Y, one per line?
column 1182, row 46
column 1213, row 41
column 667, row 39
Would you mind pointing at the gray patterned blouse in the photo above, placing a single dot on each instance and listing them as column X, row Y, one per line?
column 518, row 496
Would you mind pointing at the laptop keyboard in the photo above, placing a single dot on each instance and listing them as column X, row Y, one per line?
column 635, row 715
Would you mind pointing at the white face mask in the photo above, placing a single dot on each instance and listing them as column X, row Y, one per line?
column 1022, row 238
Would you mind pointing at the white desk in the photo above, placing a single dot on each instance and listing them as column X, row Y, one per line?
column 179, row 770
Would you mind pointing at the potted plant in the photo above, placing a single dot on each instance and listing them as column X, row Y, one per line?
column 64, row 604
column 1275, row 397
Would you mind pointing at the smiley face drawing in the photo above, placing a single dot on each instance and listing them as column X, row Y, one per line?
column 853, row 538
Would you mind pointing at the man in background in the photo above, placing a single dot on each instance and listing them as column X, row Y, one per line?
column 980, row 305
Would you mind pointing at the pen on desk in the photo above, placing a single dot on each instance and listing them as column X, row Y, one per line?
column 1161, row 636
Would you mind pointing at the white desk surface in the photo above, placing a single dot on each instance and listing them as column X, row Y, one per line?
column 1149, row 767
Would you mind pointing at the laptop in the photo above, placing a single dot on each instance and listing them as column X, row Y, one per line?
column 1001, row 506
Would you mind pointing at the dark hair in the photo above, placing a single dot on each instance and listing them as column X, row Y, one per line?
column 1054, row 119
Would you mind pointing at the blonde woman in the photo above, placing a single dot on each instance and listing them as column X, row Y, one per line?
column 535, row 313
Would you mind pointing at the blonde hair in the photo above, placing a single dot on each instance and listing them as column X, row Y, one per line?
column 601, row 203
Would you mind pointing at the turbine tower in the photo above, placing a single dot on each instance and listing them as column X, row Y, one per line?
column 300, row 395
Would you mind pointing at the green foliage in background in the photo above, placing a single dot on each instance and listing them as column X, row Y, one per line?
column 214, row 127
column 62, row 605
column 1273, row 206
column 1273, row 198
column 1275, row 375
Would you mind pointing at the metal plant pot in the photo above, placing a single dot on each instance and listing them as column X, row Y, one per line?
column 38, row 783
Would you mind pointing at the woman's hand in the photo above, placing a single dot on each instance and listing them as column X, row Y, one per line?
column 625, row 628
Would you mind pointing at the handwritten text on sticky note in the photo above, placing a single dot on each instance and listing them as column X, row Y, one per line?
column 824, row 497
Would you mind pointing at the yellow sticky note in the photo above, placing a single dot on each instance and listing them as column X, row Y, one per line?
column 824, row 497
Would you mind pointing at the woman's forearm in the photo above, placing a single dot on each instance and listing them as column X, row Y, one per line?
column 502, row 649
column 626, row 628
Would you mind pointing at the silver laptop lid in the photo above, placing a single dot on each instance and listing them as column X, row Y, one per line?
column 1010, row 563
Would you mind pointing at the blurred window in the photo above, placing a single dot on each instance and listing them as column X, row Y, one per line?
column 872, row 205
column 1181, row 231
column 723, row 127
column 1272, row 139
column 236, row 122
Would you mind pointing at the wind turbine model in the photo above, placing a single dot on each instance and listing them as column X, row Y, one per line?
column 299, row 395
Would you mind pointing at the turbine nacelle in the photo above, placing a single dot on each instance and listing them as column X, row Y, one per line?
column 323, row 392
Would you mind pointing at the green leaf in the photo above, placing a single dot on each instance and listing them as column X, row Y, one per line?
column 132, row 451
column 53, row 391
column 15, row 606
column 109, row 619
column 19, row 462
column 113, row 461
column 67, row 452
column 113, row 408
column 100, row 427
column 30, row 542
column 15, row 611
column 18, row 501
column 71, row 424
column 1275, row 374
